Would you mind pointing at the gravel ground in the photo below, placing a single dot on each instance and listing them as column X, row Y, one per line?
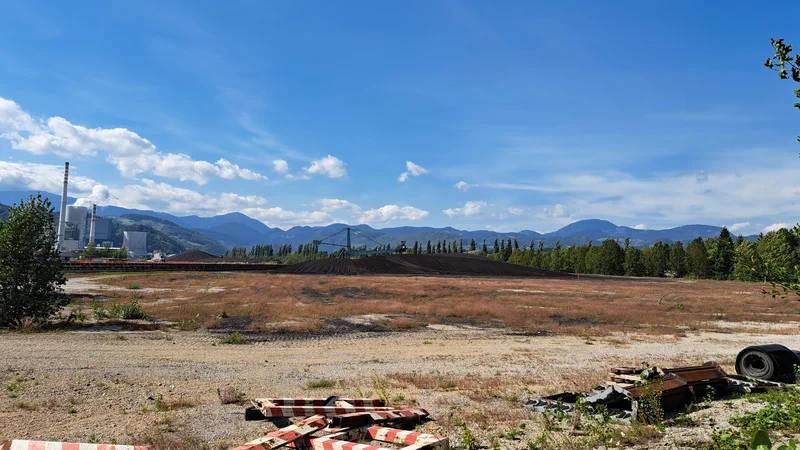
column 79, row 385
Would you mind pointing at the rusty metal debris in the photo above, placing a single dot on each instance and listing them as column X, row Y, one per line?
column 337, row 422
column 676, row 388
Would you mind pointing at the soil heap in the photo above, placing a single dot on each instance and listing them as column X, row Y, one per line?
column 194, row 256
column 440, row 264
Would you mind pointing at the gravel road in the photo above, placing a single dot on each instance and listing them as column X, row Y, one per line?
column 79, row 385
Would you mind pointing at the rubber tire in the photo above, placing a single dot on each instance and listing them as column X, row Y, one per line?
column 757, row 364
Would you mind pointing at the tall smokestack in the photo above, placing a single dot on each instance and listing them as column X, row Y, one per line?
column 62, row 215
column 91, row 227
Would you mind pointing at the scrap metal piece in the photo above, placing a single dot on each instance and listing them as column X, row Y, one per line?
column 675, row 391
column 738, row 383
column 285, row 436
column 361, row 419
column 701, row 378
column 20, row 444
column 615, row 399
column 772, row 362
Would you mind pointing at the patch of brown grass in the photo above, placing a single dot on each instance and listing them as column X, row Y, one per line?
column 590, row 306
column 176, row 403
column 406, row 323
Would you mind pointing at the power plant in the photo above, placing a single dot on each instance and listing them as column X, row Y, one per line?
column 73, row 227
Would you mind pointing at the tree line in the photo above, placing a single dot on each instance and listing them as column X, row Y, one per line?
column 774, row 256
column 285, row 253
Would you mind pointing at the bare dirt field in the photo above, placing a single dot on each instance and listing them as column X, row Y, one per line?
column 466, row 349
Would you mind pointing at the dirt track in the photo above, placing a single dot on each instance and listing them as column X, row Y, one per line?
column 107, row 377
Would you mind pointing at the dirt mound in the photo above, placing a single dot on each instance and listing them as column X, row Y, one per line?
column 455, row 264
column 194, row 256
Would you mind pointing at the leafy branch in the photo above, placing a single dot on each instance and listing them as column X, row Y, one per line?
column 783, row 60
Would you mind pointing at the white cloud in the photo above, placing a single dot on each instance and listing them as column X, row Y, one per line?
column 415, row 169
column 329, row 166
column 738, row 227
column 776, row 227
column 280, row 166
column 281, row 217
column 130, row 153
column 412, row 170
column 158, row 196
column 42, row 177
column 641, row 226
column 335, row 204
column 468, row 210
column 516, row 211
column 297, row 177
column 675, row 199
column 559, row 211
column 390, row 213
column 464, row 186
column 100, row 195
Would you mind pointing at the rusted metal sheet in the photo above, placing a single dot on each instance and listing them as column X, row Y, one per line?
column 676, row 388
column 20, row 444
column 284, row 436
column 361, row 419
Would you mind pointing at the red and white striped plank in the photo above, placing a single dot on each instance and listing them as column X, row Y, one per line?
column 411, row 439
column 320, row 401
column 403, row 437
column 325, row 443
column 327, row 411
column 286, row 435
column 361, row 419
column 20, row 444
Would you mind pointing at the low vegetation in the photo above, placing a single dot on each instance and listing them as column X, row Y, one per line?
column 127, row 311
column 234, row 339
column 321, row 384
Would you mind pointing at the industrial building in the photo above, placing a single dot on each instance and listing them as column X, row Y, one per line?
column 136, row 242
column 72, row 229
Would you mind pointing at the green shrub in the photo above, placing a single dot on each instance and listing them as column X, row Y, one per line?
column 31, row 273
column 131, row 311
column 234, row 339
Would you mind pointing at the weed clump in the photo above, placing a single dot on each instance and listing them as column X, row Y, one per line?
column 234, row 339
column 130, row 311
column 321, row 384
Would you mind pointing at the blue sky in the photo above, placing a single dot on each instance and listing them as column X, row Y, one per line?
column 504, row 115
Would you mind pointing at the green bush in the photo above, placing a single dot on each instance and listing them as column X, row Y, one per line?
column 131, row 311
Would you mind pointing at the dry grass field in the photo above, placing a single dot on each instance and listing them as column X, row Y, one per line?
column 470, row 350
column 590, row 306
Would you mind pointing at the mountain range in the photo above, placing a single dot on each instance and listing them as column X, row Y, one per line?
column 214, row 234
